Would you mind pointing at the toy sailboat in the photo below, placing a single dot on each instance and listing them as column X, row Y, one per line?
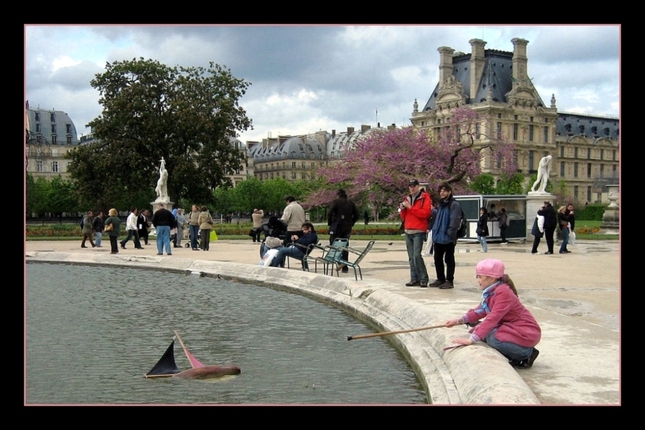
column 166, row 366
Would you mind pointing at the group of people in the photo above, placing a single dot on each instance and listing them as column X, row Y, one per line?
column 547, row 221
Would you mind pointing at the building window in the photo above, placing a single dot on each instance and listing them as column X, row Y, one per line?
column 562, row 151
column 602, row 170
column 562, row 169
column 39, row 166
column 499, row 129
column 575, row 170
column 575, row 152
column 37, row 128
column 55, row 166
column 531, row 133
column 303, row 165
column 478, row 130
column 515, row 128
column 575, row 192
column 293, row 164
column 52, row 116
column 69, row 140
column 68, row 128
column 53, row 139
column 546, row 134
column 602, row 154
column 38, row 116
column 531, row 160
column 588, row 194
column 588, row 170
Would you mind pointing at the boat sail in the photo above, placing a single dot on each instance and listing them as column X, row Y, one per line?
column 166, row 366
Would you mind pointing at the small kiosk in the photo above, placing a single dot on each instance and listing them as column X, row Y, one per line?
column 515, row 206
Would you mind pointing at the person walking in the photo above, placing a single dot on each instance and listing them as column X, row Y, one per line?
column 113, row 229
column 563, row 225
column 133, row 229
column 205, row 227
column 87, row 229
column 98, row 225
column 341, row 217
column 193, row 226
column 550, row 223
column 414, row 212
column 508, row 326
column 294, row 217
column 444, row 237
column 503, row 224
column 257, row 216
column 482, row 228
column 143, row 225
column 163, row 220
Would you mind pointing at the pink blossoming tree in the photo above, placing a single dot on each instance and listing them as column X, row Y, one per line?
column 377, row 168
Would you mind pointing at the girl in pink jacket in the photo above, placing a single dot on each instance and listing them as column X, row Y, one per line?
column 508, row 326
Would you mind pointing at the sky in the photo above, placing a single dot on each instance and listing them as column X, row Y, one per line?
column 308, row 78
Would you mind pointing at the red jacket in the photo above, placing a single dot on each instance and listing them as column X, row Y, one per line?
column 416, row 218
column 513, row 321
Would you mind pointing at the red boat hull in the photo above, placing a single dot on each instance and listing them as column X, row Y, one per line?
column 208, row 372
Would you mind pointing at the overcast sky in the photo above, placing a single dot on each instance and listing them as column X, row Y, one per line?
column 309, row 78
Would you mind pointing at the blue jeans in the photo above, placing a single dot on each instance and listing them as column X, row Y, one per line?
column 510, row 350
column 565, row 239
column 414, row 245
column 97, row 238
column 482, row 240
column 163, row 239
column 194, row 232
column 292, row 251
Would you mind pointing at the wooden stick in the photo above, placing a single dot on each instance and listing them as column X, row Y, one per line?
column 387, row 333
column 184, row 348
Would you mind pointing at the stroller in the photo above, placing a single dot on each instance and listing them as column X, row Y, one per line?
column 274, row 228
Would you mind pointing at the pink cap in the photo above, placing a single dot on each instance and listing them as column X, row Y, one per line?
column 490, row 267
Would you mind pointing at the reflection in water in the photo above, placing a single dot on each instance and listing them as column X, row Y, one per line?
column 93, row 332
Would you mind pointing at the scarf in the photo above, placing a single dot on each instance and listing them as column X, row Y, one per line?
column 488, row 292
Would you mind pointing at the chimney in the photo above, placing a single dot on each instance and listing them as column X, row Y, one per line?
column 333, row 132
column 350, row 130
column 364, row 128
column 445, row 64
column 520, row 72
column 476, row 64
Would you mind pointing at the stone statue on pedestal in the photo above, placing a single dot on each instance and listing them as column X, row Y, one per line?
column 542, row 175
column 162, row 183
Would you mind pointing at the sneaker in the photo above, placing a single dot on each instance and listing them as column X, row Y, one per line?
column 436, row 283
column 446, row 285
column 413, row 284
column 424, row 285
column 548, row 252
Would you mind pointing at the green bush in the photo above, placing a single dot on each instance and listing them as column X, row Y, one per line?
column 590, row 212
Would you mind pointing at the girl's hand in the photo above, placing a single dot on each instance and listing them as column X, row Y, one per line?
column 467, row 341
column 454, row 322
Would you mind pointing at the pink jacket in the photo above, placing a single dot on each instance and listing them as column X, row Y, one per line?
column 513, row 321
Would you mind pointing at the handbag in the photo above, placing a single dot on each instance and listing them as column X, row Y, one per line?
column 109, row 227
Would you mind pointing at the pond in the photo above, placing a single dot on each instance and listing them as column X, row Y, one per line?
column 92, row 332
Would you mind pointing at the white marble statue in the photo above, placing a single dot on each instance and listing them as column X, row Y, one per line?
column 542, row 175
column 162, row 183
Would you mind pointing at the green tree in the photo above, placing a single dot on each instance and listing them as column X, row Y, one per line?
column 188, row 116
column 483, row 184
column 62, row 196
column 510, row 184
column 36, row 195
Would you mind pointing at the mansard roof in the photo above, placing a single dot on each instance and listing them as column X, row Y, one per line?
column 572, row 124
column 40, row 122
column 497, row 76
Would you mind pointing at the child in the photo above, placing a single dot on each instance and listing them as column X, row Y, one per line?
column 508, row 327
column 482, row 228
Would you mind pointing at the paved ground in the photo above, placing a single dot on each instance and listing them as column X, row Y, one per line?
column 575, row 298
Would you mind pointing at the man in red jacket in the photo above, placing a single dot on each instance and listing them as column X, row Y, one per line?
column 415, row 211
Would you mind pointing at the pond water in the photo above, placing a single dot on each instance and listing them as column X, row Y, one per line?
column 94, row 331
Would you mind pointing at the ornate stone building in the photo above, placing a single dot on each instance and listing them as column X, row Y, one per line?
column 50, row 134
column 497, row 86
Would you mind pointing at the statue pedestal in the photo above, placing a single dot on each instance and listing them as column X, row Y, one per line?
column 534, row 202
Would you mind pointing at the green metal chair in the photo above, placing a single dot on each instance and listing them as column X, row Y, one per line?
column 354, row 263
column 330, row 253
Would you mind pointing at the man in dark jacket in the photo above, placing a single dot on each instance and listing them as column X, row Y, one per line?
column 341, row 217
column 163, row 220
column 550, row 223
column 444, row 237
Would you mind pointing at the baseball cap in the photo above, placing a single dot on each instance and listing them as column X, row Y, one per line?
column 413, row 182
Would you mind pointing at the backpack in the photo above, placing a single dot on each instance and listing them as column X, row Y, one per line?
column 463, row 225
column 81, row 223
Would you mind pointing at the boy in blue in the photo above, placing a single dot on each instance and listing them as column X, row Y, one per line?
column 298, row 248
